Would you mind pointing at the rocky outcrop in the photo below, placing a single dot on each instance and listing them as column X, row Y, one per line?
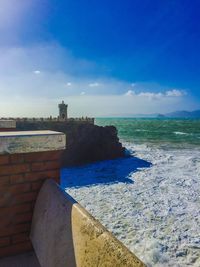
column 85, row 142
column 92, row 143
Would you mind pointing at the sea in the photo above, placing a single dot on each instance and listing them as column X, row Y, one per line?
column 149, row 200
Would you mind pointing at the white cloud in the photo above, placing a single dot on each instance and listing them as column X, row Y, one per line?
column 24, row 95
column 157, row 96
column 37, row 71
column 68, row 84
column 151, row 95
column 148, row 95
column 94, row 84
column 91, row 105
column 121, row 105
column 176, row 93
column 130, row 93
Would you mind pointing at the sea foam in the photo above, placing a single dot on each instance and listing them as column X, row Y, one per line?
column 151, row 202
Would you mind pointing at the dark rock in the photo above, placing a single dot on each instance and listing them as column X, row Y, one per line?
column 85, row 142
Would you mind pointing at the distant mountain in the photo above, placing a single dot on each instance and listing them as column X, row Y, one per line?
column 184, row 114
column 177, row 114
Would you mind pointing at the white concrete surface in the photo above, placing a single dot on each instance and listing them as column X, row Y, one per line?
column 31, row 141
column 7, row 124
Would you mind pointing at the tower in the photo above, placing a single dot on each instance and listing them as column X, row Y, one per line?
column 62, row 111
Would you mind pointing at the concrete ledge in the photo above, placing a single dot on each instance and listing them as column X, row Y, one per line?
column 31, row 141
column 65, row 234
column 7, row 124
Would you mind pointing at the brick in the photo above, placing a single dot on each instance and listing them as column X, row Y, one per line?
column 15, row 209
column 20, row 188
column 4, row 159
column 25, row 197
column 16, row 249
column 6, row 220
column 20, row 238
column 4, row 241
column 14, row 189
column 14, row 169
column 36, row 185
column 23, row 217
column 17, row 158
column 4, row 180
column 5, row 198
column 35, row 176
column 43, row 156
column 15, row 229
column 18, row 178
column 7, row 129
column 43, row 166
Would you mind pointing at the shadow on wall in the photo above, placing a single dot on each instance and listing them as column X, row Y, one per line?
column 53, row 205
column 106, row 172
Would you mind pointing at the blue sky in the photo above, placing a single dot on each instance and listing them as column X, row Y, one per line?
column 104, row 58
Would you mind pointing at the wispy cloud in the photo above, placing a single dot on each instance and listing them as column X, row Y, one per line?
column 157, row 95
column 68, row 84
column 130, row 93
column 37, row 72
column 34, row 79
column 95, row 84
column 176, row 93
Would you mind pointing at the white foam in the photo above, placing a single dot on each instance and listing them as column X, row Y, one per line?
column 180, row 133
column 157, row 216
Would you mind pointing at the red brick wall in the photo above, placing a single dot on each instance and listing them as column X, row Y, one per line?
column 21, row 177
column 7, row 129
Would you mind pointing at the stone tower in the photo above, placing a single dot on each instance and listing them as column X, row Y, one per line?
column 62, row 111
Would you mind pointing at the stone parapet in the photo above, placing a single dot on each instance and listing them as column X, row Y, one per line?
column 74, row 237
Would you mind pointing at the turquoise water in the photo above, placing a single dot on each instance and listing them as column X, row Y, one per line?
column 179, row 132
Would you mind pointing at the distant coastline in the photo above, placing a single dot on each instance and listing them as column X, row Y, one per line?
column 181, row 114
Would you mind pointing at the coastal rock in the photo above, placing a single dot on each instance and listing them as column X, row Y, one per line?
column 91, row 143
column 85, row 142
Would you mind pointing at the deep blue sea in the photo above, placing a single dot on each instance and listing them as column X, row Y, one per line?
column 178, row 132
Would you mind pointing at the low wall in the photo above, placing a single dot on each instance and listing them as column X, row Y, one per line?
column 74, row 238
column 26, row 160
column 7, row 125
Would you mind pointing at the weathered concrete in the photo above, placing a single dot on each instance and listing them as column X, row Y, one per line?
column 31, row 141
column 23, row 260
column 7, row 124
column 65, row 234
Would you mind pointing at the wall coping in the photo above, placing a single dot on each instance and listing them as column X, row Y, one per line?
column 31, row 141
column 7, row 124
column 73, row 235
